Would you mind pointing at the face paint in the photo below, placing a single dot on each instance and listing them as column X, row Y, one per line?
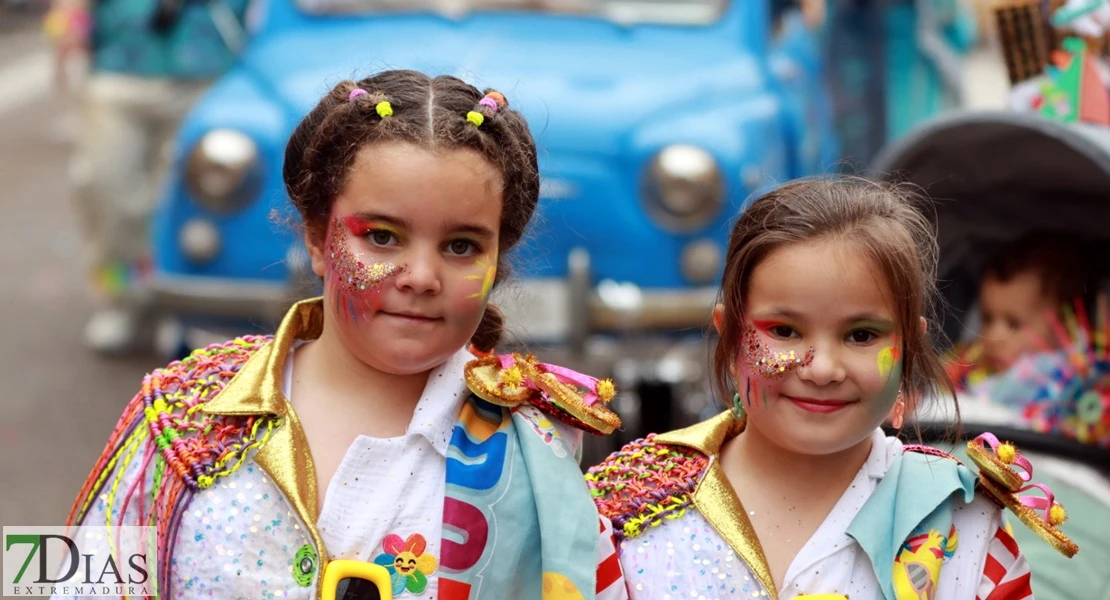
column 889, row 356
column 890, row 368
column 767, row 363
column 487, row 277
column 764, row 366
column 354, row 285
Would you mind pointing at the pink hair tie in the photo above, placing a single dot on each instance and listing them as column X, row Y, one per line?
column 355, row 93
column 489, row 103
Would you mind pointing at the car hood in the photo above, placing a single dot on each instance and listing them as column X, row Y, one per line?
column 585, row 86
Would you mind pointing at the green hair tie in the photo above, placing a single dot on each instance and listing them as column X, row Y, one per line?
column 384, row 108
column 476, row 117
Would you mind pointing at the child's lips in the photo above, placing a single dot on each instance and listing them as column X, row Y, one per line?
column 818, row 405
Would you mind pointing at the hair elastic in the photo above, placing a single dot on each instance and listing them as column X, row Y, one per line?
column 384, row 108
column 355, row 93
column 493, row 100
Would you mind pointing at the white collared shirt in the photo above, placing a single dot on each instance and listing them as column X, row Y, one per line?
column 395, row 486
column 687, row 558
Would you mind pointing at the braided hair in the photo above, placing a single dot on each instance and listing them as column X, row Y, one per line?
column 439, row 113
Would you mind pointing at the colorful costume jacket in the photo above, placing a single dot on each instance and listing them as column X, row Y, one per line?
column 910, row 526
column 476, row 501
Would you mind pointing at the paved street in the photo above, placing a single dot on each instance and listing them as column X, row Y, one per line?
column 58, row 402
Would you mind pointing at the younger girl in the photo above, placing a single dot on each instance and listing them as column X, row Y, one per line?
column 796, row 492
column 347, row 452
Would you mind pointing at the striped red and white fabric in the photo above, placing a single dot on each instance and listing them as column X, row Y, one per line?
column 610, row 578
column 1005, row 572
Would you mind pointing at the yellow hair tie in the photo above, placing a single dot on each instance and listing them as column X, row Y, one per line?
column 384, row 108
column 475, row 117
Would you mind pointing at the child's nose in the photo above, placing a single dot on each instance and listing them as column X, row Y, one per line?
column 421, row 273
column 825, row 368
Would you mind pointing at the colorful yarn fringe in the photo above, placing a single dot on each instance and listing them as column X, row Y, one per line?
column 180, row 448
column 645, row 483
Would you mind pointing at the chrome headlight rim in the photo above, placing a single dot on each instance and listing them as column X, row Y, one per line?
column 223, row 173
column 683, row 187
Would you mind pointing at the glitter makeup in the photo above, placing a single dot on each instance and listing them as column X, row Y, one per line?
column 768, row 363
column 354, row 285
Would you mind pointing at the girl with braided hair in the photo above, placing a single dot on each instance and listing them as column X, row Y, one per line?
column 376, row 446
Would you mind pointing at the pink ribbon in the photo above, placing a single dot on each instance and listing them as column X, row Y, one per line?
column 989, row 439
column 561, row 374
column 1036, row 502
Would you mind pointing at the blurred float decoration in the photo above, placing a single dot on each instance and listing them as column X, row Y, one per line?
column 1056, row 58
column 1063, row 390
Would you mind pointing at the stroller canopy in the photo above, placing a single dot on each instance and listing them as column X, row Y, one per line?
column 995, row 176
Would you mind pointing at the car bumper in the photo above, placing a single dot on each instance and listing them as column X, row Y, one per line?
column 548, row 310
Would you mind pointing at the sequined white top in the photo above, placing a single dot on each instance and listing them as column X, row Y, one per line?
column 686, row 557
column 240, row 538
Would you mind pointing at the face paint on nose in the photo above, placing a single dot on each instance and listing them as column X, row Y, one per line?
column 354, row 285
column 764, row 366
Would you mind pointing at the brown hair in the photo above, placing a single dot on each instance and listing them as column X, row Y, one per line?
column 883, row 221
column 1057, row 259
column 427, row 112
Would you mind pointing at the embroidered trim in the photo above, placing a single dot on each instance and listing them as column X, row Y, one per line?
column 645, row 483
column 189, row 449
column 931, row 451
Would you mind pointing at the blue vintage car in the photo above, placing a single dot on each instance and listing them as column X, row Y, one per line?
column 655, row 119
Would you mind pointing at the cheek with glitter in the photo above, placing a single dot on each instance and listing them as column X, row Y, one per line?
column 354, row 285
column 763, row 367
column 766, row 362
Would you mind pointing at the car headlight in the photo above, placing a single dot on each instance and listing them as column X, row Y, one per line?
column 222, row 172
column 683, row 187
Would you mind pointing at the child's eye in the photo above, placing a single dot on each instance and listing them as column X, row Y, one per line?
column 381, row 237
column 863, row 336
column 782, row 331
column 462, row 248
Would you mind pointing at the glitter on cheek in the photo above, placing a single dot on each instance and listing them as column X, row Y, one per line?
column 767, row 363
column 354, row 286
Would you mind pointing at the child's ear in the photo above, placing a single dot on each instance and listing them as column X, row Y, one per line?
column 718, row 317
column 924, row 326
column 314, row 243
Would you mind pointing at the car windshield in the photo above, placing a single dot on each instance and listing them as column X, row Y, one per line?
column 673, row 12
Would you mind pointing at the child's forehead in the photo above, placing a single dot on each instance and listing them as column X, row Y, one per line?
column 821, row 278
column 1026, row 282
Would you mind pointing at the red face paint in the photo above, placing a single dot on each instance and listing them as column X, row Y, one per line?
column 353, row 284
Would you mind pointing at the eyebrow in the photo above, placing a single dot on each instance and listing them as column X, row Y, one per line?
column 479, row 230
column 474, row 228
column 380, row 218
column 793, row 315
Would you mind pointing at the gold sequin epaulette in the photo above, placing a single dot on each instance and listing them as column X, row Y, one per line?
column 571, row 397
column 1007, row 478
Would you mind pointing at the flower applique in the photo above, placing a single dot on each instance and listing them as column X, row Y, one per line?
column 407, row 562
